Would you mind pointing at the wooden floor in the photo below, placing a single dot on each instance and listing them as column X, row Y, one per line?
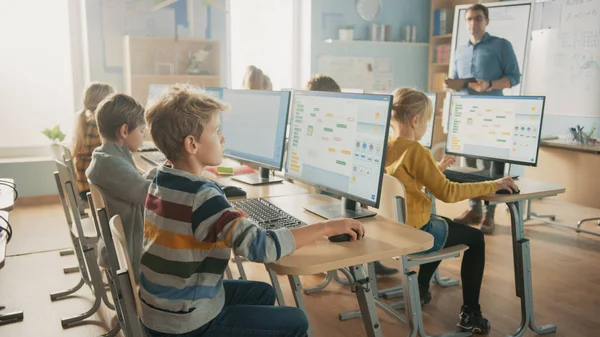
column 566, row 281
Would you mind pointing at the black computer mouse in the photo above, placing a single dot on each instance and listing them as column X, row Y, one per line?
column 233, row 191
column 343, row 237
column 507, row 192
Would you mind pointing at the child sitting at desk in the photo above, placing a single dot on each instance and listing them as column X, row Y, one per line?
column 121, row 124
column 255, row 79
column 414, row 166
column 86, row 133
column 190, row 230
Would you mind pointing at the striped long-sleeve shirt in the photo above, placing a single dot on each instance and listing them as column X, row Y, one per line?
column 189, row 232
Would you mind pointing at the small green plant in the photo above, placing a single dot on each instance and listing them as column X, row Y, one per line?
column 54, row 134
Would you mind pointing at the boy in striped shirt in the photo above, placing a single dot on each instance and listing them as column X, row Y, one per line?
column 190, row 230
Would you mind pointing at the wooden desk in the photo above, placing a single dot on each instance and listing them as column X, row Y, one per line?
column 530, row 189
column 253, row 191
column 560, row 144
column 7, row 196
column 383, row 239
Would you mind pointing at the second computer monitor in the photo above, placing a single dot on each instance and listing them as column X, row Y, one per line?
column 501, row 128
column 254, row 129
column 337, row 144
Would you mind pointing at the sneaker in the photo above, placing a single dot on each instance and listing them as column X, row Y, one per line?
column 469, row 218
column 381, row 270
column 425, row 295
column 488, row 225
column 473, row 322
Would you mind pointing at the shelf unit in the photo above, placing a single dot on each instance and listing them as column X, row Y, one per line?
column 159, row 60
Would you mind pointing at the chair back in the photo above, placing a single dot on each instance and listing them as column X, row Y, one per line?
column 118, row 234
column 393, row 199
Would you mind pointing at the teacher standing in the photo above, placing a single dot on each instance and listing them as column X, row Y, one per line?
column 492, row 62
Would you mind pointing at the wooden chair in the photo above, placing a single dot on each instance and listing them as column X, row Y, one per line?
column 393, row 206
column 130, row 299
column 84, row 239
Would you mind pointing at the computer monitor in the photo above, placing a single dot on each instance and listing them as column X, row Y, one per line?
column 504, row 129
column 156, row 89
column 254, row 129
column 337, row 144
column 427, row 139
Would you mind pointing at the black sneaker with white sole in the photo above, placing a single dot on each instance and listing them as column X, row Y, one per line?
column 473, row 322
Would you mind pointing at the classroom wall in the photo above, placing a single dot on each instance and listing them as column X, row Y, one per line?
column 99, row 72
column 410, row 62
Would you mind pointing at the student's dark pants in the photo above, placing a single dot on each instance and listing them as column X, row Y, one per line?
column 249, row 311
column 473, row 262
column 476, row 205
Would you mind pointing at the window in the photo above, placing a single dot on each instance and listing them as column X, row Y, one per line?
column 36, row 83
column 262, row 34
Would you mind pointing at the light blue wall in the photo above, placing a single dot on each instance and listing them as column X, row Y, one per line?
column 410, row 62
column 32, row 177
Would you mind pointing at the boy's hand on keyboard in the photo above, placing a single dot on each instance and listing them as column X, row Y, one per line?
column 506, row 183
column 344, row 226
column 446, row 162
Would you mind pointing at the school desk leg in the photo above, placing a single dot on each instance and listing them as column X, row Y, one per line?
column 297, row 291
column 361, row 283
column 522, row 262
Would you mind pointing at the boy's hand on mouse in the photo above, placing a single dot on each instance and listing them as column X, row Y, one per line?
column 506, row 183
column 344, row 226
column 446, row 162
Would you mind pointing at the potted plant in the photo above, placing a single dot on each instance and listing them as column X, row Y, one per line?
column 57, row 137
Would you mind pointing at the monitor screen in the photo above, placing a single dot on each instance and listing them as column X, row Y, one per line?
column 502, row 128
column 254, row 127
column 156, row 89
column 427, row 139
column 353, row 90
column 337, row 142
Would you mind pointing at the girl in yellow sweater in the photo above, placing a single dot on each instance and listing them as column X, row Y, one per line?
column 414, row 166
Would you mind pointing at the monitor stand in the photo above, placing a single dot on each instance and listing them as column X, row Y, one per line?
column 345, row 208
column 497, row 169
column 263, row 177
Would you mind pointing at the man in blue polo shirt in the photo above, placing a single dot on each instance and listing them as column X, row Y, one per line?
column 492, row 62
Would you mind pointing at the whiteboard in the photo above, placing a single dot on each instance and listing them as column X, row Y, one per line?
column 508, row 20
column 564, row 63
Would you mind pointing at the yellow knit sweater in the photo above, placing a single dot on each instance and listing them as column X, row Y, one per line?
column 414, row 166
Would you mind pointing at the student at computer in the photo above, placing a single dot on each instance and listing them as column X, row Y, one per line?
column 414, row 166
column 190, row 230
column 86, row 133
column 492, row 62
column 121, row 124
column 325, row 83
column 255, row 79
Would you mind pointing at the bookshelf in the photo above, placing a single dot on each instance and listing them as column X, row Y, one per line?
column 159, row 60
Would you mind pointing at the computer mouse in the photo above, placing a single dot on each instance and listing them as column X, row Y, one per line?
column 233, row 191
column 343, row 237
column 507, row 192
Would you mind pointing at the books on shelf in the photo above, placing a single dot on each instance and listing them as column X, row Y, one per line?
column 442, row 21
column 437, row 81
column 441, row 53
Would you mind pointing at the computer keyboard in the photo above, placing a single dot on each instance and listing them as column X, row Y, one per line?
column 464, row 177
column 155, row 158
column 267, row 215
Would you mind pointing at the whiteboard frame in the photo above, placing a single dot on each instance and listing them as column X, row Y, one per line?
column 457, row 10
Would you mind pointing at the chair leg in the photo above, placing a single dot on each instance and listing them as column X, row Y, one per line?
column 70, row 270
column 68, row 322
column 444, row 281
column 66, row 252
column 11, row 317
column 59, row 295
column 113, row 332
column 320, row 287
column 238, row 262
